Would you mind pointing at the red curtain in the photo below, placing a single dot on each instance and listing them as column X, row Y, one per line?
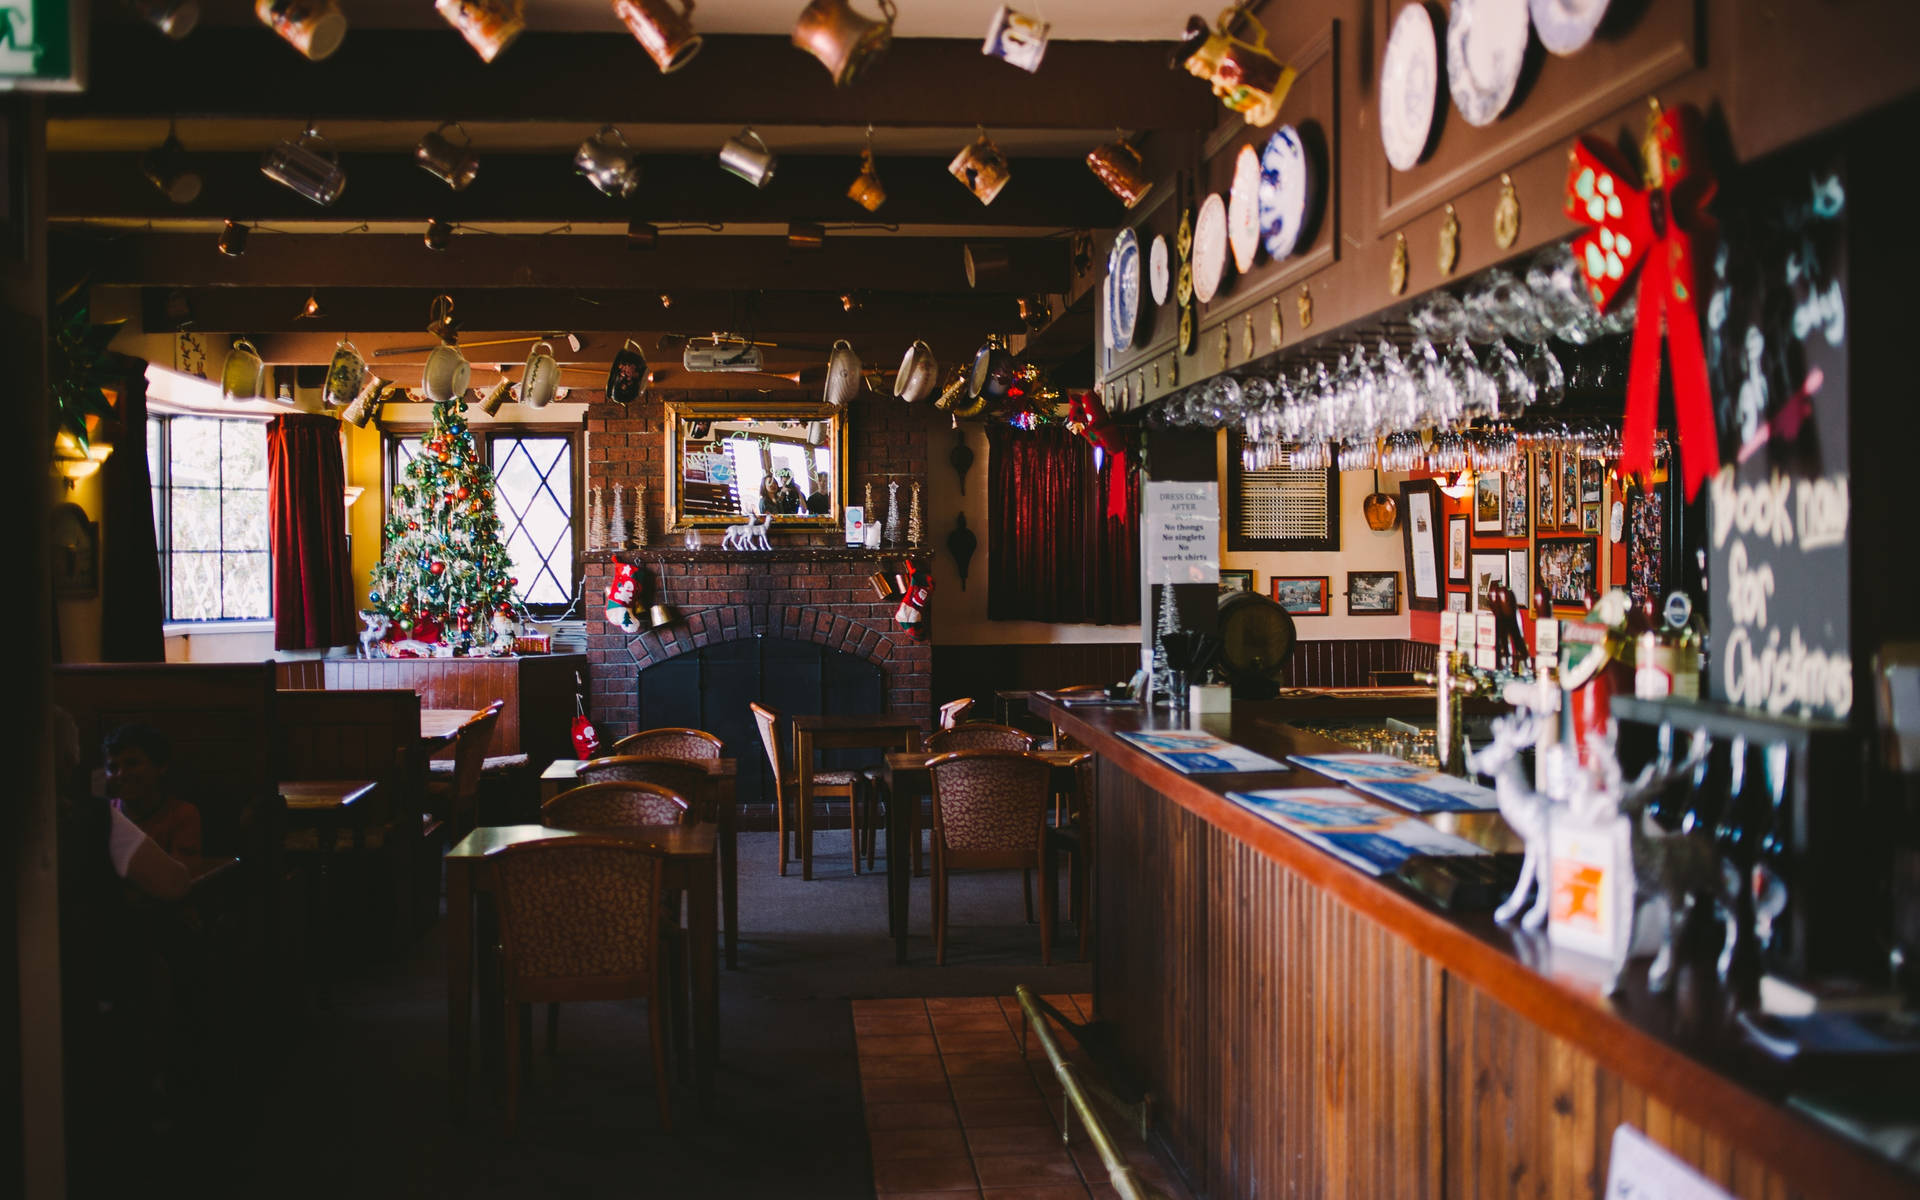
column 130, row 608
column 306, row 497
column 1062, row 538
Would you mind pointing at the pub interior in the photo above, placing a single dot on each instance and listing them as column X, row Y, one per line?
column 523, row 697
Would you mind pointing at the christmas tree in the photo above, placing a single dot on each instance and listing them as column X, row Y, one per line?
column 445, row 571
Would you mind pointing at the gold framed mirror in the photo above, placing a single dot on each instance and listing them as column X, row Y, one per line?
column 728, row 461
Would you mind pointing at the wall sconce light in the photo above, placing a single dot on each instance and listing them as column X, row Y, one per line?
column 233, row 239
column 1459, row 486
column 74, row 463
column 352, row 493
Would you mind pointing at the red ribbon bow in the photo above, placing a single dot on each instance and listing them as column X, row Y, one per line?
column 1659, row 231
column 1090, row 416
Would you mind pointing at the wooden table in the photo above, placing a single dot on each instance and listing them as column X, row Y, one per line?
column 689, row 854
column 438, row 725
column 908, row 779
column 819, row 731
column 561, row 774
column 324, row 804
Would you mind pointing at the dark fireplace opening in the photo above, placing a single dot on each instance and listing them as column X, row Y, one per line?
column 710, row 687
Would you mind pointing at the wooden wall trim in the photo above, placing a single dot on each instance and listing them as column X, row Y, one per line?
column 1626, row 1038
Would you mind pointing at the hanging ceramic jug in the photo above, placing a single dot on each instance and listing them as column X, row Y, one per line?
column 345, row 373
column 541, row 378
column 843, row 374
column 845, row 42
column 447, row 373
column 917, row 373
column 243, row 372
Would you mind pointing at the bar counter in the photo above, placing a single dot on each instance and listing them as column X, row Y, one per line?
column 1308, row 1029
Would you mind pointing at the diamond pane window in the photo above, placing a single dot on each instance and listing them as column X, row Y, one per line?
column 533, row 485
column 210, row 516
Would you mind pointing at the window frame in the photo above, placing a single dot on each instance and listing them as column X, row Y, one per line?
column 483, row 435
column 160, row 488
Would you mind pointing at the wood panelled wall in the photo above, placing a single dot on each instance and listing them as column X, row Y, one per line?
column 1296, row 1047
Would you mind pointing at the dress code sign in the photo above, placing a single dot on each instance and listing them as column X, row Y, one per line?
column 1183, row 533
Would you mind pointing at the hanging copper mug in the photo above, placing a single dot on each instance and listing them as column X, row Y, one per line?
column 667, row 36
column 866, row 190
column 844, row 41
column 1117, row 164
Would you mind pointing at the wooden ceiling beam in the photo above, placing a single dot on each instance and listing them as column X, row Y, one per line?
column 705, row 262
column 430, row 76
column 1043, row 193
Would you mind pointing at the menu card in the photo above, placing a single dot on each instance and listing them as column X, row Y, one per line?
column 1409, row 785
column 1192, row 752
column 1370, row 836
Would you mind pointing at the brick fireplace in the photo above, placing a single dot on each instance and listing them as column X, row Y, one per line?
column 809, row 589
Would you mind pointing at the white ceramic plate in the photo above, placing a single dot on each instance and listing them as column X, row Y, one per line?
column 1486, row 47
column 1159, row 273
column 1243, row 208
column 1409, row 86
column 1125, row 312
column 1209, row 247
column 1286, row 189
column 1565, row 26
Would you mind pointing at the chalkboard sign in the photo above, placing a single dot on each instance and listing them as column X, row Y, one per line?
column 1777, row 514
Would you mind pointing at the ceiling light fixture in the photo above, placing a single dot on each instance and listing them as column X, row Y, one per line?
column 310, row 309
column 233, row 239
column 850, row 302
column 166, row 168
column 666, row 300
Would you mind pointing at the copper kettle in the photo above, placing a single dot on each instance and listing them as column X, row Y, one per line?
column 844, row 41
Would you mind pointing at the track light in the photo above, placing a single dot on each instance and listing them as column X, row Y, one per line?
column 850, row 302
column 666, row 300
column 310, row 309
column 233, row 239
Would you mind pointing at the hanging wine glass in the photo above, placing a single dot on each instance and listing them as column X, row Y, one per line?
column 1544, row 373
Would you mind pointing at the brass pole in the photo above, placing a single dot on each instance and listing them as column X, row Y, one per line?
column 1119, row 1171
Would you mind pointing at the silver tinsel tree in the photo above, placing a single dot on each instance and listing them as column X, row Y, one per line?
column 1167, row 622
column 893, row 512
column 914, row 530
column 617, row 523
column 639, row 514
column 597, row 518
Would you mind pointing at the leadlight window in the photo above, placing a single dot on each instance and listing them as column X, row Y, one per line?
column 210, row 521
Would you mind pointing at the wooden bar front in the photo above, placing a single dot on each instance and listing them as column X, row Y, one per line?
column 1308, row 1030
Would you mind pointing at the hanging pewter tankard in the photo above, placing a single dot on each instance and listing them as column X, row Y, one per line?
column 844, row 41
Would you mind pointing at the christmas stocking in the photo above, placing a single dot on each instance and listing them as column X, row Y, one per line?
column 620, row 597
column 915, row 596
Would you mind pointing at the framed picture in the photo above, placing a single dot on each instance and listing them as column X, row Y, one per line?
column 1233, row 579
column 1301, row 595
column 1546, row 514
column 1517, row 506
column 1489, row 567
column 1591, row 480
column 1373, row 593
column 1567, row 567
column 1590, row 518
column 1568, row 489
column 1646, row 532
column 1456, row 549
column 1489, row 503
column 1519, row 578
column 1420, row 529
column 1456, row 602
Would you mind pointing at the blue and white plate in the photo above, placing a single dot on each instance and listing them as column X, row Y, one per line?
column 1486, row 48
column 1565, row 26
column 1124, row 298
column 1286, row 186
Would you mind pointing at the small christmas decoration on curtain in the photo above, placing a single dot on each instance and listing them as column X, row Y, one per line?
column 445, row 571
column 1660, row 231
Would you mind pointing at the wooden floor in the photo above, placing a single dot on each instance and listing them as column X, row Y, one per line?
column 954, row 1109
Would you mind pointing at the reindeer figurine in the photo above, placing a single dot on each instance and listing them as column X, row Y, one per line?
column 748, row 535
column 1525, row 809
column 374, row 634
column 1676, row 867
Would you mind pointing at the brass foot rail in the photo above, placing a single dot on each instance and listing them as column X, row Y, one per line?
column 1081, row 1095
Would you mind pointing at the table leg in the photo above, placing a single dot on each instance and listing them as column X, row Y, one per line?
column 729, row 872
column 703, row 938
column 803, row 816
column 899, row 864
column 459, row 980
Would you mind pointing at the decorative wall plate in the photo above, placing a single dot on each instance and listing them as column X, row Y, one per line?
column 1243, row 208
column 1565, row 26
column 1409, row 87
column 1210, row 247
column 1286, row 192
column 1125, row 310
column 1159, row 271
column 1486, row 47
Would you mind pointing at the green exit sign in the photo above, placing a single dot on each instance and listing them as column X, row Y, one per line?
column 41, row 45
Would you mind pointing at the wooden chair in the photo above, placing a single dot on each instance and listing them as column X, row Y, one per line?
column 1074, row 837
column 989, row 812
column 973, row 735
column 687, row 777
column 457, row 796
column 672, row 742
column 620, row 805
column 955, row 711
column 580, row 920
column 786, row 785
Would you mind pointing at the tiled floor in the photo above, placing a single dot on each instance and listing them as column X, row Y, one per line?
column 954, row 1110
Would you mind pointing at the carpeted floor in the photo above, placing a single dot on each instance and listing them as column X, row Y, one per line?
column 358, row 1102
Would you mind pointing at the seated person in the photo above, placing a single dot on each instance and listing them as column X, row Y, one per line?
column 137, row 759
column 790, row 499
column 818, row 502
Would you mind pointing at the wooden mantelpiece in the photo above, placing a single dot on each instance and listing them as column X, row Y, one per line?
column 714, row 554
column 1309, row 1030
